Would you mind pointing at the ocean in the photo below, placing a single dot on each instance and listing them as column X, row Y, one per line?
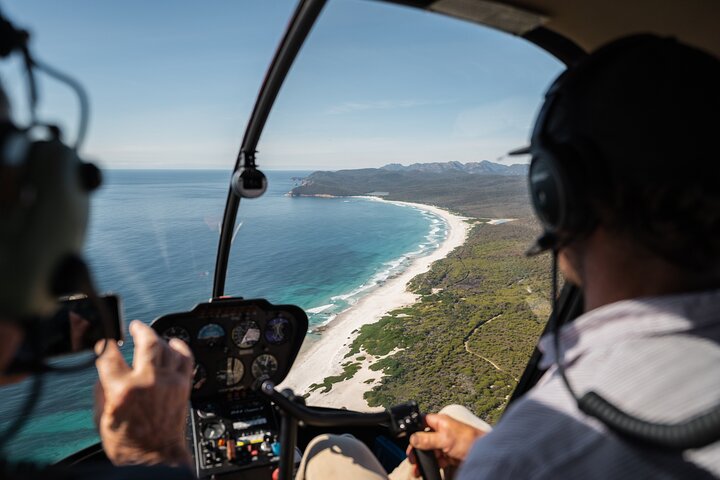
column 153, row 240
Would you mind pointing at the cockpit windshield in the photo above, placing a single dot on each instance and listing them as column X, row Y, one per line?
column 375, row 87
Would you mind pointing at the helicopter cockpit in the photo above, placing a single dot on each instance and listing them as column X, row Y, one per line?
column 241, row 424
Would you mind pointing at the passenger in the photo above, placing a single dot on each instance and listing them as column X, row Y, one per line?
column 634, row 126
column 140, row 409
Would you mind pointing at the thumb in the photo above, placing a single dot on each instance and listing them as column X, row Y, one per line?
column 110, row 364
column 433, row 420
column 426, row 441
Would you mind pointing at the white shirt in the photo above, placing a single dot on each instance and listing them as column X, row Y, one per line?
column 655, row 358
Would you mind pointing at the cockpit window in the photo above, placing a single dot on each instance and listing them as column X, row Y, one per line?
column 430, row 106
column 376, row 89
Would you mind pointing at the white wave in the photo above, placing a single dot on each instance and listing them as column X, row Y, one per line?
column 321, row 308
column 438, row 232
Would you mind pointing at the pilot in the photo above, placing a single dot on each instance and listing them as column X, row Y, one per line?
column 631, row 135
column 140, row 410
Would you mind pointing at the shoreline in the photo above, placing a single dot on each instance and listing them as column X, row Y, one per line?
column 324, row 357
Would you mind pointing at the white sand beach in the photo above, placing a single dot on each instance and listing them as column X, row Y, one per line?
column 324, row 357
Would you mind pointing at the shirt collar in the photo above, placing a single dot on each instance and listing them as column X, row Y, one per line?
column 632, row 319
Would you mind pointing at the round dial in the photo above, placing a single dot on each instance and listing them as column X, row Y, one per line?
column 230, row 372
column 264, row 365
column 277, row 330
column 246, row 334
column 199, row 376
column 210, row 334
column 176, row 332
column 213, row 430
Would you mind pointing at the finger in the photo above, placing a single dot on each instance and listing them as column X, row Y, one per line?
column 99, row 406
column 110, row 364
column 149, row 350
column 185, row 360
column 433, row 420
column 426, row 441
column 410, row 452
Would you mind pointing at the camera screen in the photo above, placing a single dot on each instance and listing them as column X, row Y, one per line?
column 80, row 323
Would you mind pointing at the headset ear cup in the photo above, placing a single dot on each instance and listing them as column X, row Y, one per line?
column 556, row 194
column 547, row 193
column 42, row 229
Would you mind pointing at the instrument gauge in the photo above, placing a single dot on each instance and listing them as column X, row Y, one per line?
column 230, row 372
column 199, row 377
column 277, row 330
column 176, row 332
column 210, row 334
column 213, row 430
column 264, row 366
column 246, row 334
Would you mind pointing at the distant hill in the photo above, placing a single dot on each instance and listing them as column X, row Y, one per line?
column 480, row 168
column 489, row 195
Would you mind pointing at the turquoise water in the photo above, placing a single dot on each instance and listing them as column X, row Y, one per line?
column 153, row 240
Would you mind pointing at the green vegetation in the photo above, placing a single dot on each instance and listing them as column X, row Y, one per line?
column 380, row 338
column 481, row 309
column 469, row 342
column 349, row 370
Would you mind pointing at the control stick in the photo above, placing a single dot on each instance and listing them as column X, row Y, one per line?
column 401, row 420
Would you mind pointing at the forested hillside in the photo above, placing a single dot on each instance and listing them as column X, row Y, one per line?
column 481, row 309
column 477, row 195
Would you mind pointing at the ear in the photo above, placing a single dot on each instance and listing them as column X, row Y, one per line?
column 570, row 262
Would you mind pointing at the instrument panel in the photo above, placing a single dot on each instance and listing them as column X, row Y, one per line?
column 237, row 343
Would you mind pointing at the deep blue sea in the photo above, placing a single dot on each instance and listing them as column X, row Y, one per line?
column 153, row 240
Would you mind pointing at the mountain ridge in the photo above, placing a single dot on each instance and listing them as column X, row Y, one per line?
column 488, row 195
column 484, row 167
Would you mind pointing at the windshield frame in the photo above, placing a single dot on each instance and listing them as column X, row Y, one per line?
column 305, row 16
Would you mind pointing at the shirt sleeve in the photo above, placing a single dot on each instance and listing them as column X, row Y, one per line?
column 28, row 471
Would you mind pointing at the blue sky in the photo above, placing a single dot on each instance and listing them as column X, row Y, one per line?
column 172, row 83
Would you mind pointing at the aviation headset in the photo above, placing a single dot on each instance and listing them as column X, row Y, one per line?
column 44, row 190
column 558, row 181
column 559, row 171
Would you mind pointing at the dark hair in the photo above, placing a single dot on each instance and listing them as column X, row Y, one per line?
column 644, row 116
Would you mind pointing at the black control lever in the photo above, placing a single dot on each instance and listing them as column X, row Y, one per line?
column 402, row 420
column 427, row 464
column 318, row 418
column 406, row 419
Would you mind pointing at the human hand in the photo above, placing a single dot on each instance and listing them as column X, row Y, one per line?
column 450, row 439
column 141, row 410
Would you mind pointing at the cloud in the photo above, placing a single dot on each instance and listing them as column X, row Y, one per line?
column 511, row 117
column 351, row 107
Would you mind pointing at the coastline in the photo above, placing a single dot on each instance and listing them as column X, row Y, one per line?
column 324, row 357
